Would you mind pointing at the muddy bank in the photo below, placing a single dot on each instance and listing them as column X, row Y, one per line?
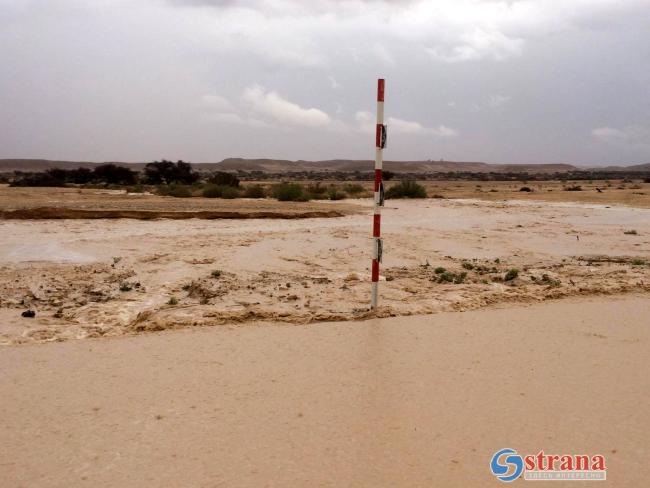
column 38, row 213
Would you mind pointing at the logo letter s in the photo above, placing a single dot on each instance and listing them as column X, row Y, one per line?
column 500, row 470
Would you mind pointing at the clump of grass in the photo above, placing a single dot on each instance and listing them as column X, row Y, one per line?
column 290, row 192
column 406, row 189
column 172, row 301
column 317, row 190
column 439, row 270
column 450, row 277
column 175, row 190
column 511, row 274
column 220, row 191
column 255, row 191
column 125, row 286
column 352, row 188
column 216, row 273
column 334, row 194
column 631, row 232
column 468, row 265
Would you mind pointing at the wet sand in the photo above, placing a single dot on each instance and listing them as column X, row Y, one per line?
column 410, row 401
column 102, row 278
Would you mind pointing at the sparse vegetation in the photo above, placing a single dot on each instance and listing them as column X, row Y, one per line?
column 334, row 194
column 220, row 191
column 511, row 274
column 290, row 192
column 573, row 188
column 216, row 273
column 638, row 262
column 631, row 232
column 254, row 191
column 172, row 301
column 406, row 189
column 439, row 270
column 126, row 286
column 468, row 265
column 175, row 190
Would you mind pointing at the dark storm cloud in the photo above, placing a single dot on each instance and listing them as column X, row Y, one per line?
column 517, row 81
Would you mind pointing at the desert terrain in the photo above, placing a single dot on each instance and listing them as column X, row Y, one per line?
column 88, row 278
column 238, row 349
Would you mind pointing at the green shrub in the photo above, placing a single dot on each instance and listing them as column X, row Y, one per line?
column 439, row 270
column 334, row 194
column 352, row 188
column 174, row 190
column 511, row 274
column 468, row 265
column 220, row 191
column 221, row 178
column 172, row 301
column 317, row 190
column 406, row 189
column 290, row 192
column 255, row 191
column 216, row 273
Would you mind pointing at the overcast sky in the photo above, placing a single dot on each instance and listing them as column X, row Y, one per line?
column 519, row 81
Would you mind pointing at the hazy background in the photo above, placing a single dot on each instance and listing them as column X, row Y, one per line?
column 498, row 81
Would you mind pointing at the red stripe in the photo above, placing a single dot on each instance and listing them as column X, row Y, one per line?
column 380, row 90
column 377, row 179
column 376, row 225
column 378, row 136
column 375, row 270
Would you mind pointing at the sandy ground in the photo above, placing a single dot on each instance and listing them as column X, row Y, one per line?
column 92, row 278
column 74, row 203
column 408, row 401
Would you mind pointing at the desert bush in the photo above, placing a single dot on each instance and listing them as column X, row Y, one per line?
column 406, row 189
column 525, row 188
column 255, row 191
column 290, row 192
column 222, row 178
column 573, row 188
column 220, row 191
column 166, row 172
column 511, row 274
column 172, row 301
column 387, row 175
column 439, row 270
column 317, row 190
column 216, row 273
column 353, row 188
column 174, row 190
column 468, row 265
column 631, row 232
column 37, row 180
column 646, row 180
column 334, row 194
column 113, row 174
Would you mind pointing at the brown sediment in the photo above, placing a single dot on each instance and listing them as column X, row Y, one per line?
column 37, row 213
column 98, row 278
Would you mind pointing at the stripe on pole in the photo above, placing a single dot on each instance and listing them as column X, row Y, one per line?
column 377, row 245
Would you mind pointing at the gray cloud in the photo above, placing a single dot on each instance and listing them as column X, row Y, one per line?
column 516, row 81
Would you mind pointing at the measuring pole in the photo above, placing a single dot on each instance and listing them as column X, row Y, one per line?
column 377, row 244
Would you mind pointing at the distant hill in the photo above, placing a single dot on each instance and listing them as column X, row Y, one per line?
column 345, row 165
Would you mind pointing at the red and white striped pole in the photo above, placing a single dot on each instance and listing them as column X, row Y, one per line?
column 380, row 143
